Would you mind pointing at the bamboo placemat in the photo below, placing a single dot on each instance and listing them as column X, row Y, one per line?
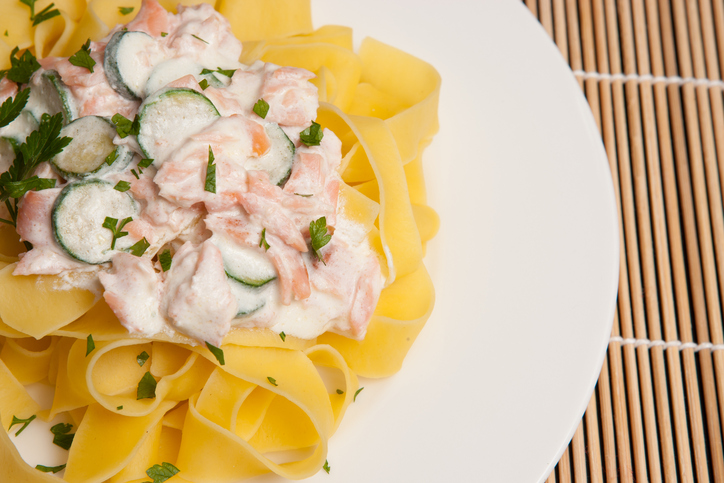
column 651, row 71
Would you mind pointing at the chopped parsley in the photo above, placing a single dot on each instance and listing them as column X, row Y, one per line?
column 261, row 108
column 313, row 135
column 41, row 145
column 111, row 158
column 133, row 172
column 354, row 399
column 82, row 58
column 162, row 472
column 272, row 381
column 116, row 228
column 146, row 387
column 140, row 247
column 303, row 196
column 45, row 14
column 119, row 408
column 21, row 68
column 283, row 336
column 125, row 10
column 318, row 233
column 60, row 435
column 145, row 163
column 263, row 242
column 12, row 107
column 165, row 260
column 204, row 84
column 142, row 358
column 226, row 72
column 218, row 353
column 326, row 466
column 210, row 184
column 50, row 469
column 122, row 186
column 163, row 34
column 199, row 38
column 24, row 422
column 339, row 391
column 124, row 126
column 89, row 345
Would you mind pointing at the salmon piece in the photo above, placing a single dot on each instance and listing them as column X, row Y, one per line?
column 292, row 98
column 152, row 18
column 293, row 276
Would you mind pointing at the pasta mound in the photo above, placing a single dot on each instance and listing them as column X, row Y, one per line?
column 218, row 422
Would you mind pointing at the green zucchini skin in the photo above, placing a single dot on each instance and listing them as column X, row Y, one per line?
column 170, row 116
column 77, row 219
column 49, row 94
column 127, row 79
column 248, row 299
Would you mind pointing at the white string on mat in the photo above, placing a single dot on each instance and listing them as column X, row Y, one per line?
column 668, row 80
column 666, row 345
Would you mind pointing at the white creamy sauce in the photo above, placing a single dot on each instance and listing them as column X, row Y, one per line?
column 243, row 225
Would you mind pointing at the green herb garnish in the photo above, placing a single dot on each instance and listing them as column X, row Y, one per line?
column 116, row 228
column 261, row 108
column 60, row 435
column 313, row 135
column 354, row 399
column 122, row 186
column 82, row 58
column 146, row 387
column 272, row 381
column 125, row 10
column 162, row 472
column 263, row 242
column 50, row 469
column 142, row 358
column 339, row 391
column 326, row 466
column 210, row 184
column 124, row 126
column 145, row 163
column 139, row 248
column 283, row 336
column 204, row 84
column 199, row 38
column 13, row 106
column 318, row 233
column 89, row 345
column 43, row 15
column 218, row 353
column 21, row 68
column 163, row 34
column 111, row 158
column 165, row 260
column 226, row 72
column 24, row 422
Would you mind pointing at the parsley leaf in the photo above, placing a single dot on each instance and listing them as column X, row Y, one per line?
column 354, row 399
column 119, row 408
column 165, row 260
column 122, row 186
column 111, row 158
column 24, row 422
column 60, row 435
column 339, row 391
column 283, row 336
column 89, row 345
column 142, row 358
column 124, row 126
column 226, row 72
column 218, row 353
column 21, row 68
column 43, row 15
column 163, row 34
column 82, row 58
column 116, row 228
column 210, row 184
column 272, row 380
column 162, row 472
column 326, row 466
column 204, row 84
column 146, row 388
column 12, row 107
column 263, row 242
column 145, row 163
column 261, row 108
column 125, row 10
column 199, row 38
column 140, row 247
column 50, row 469
column 313, row 135
column 318, row 233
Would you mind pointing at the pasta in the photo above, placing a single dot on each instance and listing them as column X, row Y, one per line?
column 226, row 423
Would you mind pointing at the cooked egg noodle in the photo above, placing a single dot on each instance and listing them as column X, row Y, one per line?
column 225, row 423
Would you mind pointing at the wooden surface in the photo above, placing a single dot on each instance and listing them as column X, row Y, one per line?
column 652, row 73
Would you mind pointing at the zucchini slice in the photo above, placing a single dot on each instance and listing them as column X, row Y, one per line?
column 168, row 117
column 129, row 60
column 78, row 215
column 170, row 70
column 277, row 162
column 245, row 264
column 91, row 147
column 248, row 299
column 49, row 94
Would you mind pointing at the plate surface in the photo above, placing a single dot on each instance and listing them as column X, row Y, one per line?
column 525, row 265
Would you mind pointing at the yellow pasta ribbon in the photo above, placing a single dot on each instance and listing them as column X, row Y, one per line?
column 265, row 19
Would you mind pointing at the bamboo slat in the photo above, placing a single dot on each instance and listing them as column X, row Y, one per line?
column 651, row 71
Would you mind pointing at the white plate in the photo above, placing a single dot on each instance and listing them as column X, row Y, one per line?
column 525, row 265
